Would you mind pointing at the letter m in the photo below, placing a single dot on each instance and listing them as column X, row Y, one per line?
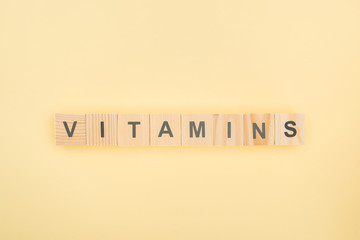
column 197, row 131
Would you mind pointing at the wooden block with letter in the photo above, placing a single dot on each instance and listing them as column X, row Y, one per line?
column 197, row 129
column 289, row 129
column 101, row 128
column 165, row 129
column 134, row 129
column 229, row 129
column 259, row 129
column 70, row 129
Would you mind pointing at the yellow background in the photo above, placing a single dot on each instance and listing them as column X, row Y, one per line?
column 188, row 57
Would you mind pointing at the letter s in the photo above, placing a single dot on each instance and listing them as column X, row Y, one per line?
column 294, row 132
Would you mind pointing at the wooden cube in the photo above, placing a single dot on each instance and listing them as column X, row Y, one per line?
column 259, row 129
column 165, row 129
column 70, row 129
column 289, row 129
column 197, row 129
column 229, row 129
column 101, row 128
column 134, row 129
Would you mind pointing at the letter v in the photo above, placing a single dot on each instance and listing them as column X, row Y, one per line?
column 70, row 134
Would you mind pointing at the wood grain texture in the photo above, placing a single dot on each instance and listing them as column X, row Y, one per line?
column 159, row 121
column 192, row 123
column 79, row 134
column 225, row 136
column 284, row 136
column 93, row 128
column 134, row 134
column 258, row 120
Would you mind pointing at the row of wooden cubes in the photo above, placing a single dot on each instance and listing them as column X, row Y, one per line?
column 179, row 129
